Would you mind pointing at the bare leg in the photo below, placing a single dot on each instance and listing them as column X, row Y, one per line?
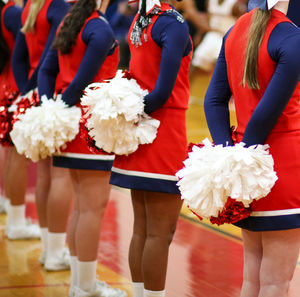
column 16, row 178
column 93, row 194
column 92, row 191
column 138, row 239
column 72, row 226
column 60, row 197
column 42, row 190
column 252, row 262
column 162, row 211
column 280, row 255
column 15, row 185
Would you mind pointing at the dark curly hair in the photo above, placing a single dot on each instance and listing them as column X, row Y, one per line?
column 72, row 25
column 4, row 50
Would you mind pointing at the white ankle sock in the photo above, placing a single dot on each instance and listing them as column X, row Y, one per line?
column 74, row 272
column 16, row 215
column 138, row 289
column 55, row 244
column 44, row 236
column 148, row 293
column 86, row 275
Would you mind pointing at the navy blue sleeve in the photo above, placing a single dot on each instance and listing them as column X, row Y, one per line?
column 56, row 11
column 173, row 36
column 216, row 102
column 48, row 73
column 294, row 12
column 12, row 19
column 20, row 62
column 283, row 47
column 99, row 38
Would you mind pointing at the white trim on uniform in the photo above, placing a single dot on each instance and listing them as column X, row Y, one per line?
column 145, row 174
column 86, row 156
column 271, row 213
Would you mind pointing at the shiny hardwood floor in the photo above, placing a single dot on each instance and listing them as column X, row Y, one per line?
column 205, row 261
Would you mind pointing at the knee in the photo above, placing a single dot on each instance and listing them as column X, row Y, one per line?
column 162, row 235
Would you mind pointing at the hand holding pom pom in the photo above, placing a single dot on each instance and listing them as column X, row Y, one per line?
column 214, row 173
column 115, row 115
column 43, row 130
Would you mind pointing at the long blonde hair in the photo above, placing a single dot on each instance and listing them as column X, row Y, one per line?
column 35, row 8
column 256, row 35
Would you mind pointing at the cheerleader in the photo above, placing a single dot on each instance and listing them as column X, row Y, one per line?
column 160, row 36
column 263, row 76
column 84, row 51
column 16, row 166
column 40, row 19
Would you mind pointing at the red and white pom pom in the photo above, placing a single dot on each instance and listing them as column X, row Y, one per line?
column 116, row 118
column 43, row 130
column 214, row 173
column 6, row 117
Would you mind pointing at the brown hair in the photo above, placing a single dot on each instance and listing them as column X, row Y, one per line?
column 72, row 25
column 256, row 35
column 35, row 8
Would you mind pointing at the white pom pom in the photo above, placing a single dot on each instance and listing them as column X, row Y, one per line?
column 43, row 130
column 117, row 120
column 213, row 173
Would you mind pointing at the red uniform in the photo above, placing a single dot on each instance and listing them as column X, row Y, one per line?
column 37, row 39
column 153, row 166
column 284, row 139
column 7, row 80
column 77, row 154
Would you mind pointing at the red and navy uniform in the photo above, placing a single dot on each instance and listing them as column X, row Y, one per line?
column 268, row 115
column 83, row 65
column 153, row 166
column 31, row 47
column 7, row 80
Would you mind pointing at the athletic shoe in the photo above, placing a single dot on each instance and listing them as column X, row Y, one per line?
column 58, row 263
column 3, row 204
column 27, row 231
column 101, row 289
column 42, row 258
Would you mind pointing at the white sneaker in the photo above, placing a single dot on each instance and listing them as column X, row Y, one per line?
column 27, row 231
column 71, row 291
column 107, row 291
column 42, row 258
column 3, row 204
column 58, row 263
column 101, row 289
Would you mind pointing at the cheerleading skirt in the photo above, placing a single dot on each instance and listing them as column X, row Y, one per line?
column 280, row 209
column 77, row 155
column 152, row 167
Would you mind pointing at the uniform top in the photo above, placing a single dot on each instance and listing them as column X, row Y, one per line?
column 167, row 48
column 31, row 48
column 93, row 58
column 10, row 25
column 275, row 105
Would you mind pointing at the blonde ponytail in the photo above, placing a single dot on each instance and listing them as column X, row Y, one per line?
column 35, row 8
column 256, row 35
